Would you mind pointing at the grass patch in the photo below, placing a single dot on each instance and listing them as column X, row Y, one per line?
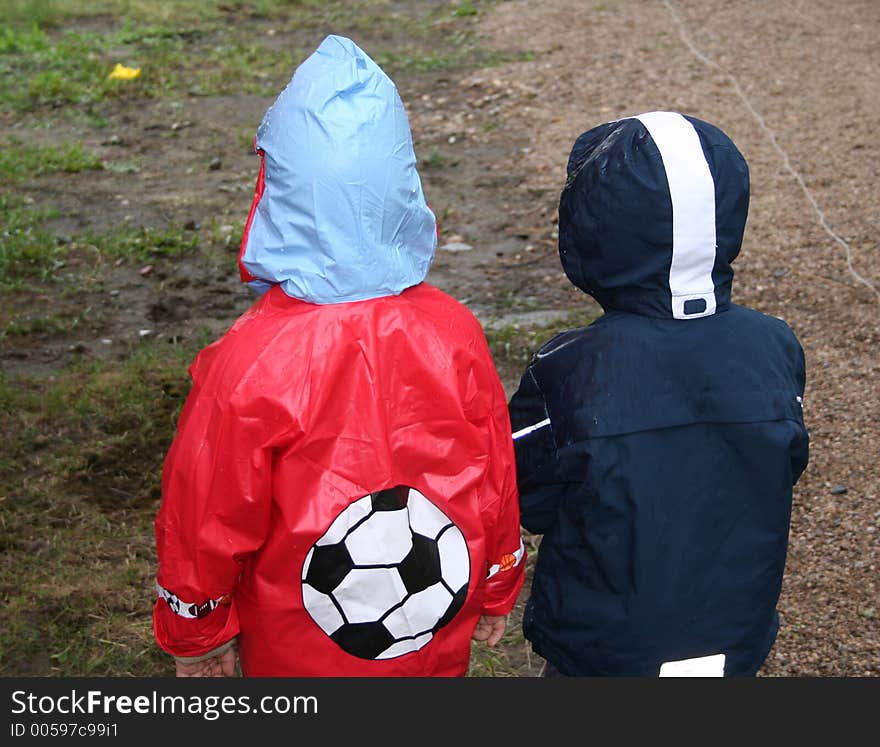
column 19, row 161
column 464, row 8
column 177, row 53
column 435, row 159
column 144, row 244
column 29, row 324
column 30, row 253
column 72, row 67
column 26, row 249
column 513, row 345
column 79, row 483
column 52, row 13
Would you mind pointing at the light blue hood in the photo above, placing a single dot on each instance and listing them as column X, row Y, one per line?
column 339, row 214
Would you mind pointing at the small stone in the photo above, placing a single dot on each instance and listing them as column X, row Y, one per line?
column 869, row 613
column 106, row 341
column 191, row 225
column 457, row 246
column 146, row 270
column 838, row 490
column 114, row 293
column 144, row 332
column 215, row 164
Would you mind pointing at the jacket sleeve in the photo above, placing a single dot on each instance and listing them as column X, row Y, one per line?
column 537, row 463
column 216, row 496
column 505, row 552
column 800, row 446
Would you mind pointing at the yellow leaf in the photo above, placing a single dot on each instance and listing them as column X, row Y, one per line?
column 121, row 72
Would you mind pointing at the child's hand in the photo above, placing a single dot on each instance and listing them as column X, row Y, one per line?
column 221, row 665
column 490, row 628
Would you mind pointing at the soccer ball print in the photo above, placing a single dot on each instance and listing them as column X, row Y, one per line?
column 389, row 572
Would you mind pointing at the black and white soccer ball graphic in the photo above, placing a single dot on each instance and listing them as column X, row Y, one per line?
column 391, row 570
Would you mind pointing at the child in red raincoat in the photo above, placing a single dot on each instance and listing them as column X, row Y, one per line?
column 340, row 496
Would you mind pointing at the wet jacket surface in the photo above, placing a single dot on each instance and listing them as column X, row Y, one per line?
column 657, row 448
column 340, row 493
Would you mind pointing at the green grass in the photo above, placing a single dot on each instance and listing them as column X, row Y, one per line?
column 52, row 13
column 513, row 345
column 29, row 253
column 26, row 249
column 31, row 324
column 464, row 8
column 44, row 63
column 144, row 244
column 73, row 67
column 83, row 516
column 19, row 161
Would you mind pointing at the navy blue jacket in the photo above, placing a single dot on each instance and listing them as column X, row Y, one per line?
column 657, row 448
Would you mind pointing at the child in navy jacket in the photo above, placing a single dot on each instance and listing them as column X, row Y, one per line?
column 657, row 448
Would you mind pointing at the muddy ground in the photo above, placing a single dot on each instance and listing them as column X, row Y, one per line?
column 795, row 84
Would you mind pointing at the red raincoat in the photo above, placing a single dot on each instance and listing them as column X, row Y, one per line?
column 299, row 411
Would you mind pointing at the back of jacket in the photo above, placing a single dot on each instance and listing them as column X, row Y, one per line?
column 657, row 448
column 662, row 486
column 342, row 483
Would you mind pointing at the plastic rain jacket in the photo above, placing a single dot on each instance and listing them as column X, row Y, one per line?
column 657, row 448
column 340, row 493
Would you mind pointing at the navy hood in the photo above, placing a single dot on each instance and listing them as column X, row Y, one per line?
column 652, row 215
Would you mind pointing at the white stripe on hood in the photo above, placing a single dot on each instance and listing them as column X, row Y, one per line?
column 693, row 212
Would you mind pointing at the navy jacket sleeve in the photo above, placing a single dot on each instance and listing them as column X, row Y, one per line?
column 800, row 446
column 537, row 459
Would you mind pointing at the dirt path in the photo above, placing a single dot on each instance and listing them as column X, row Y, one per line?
column 810, row 72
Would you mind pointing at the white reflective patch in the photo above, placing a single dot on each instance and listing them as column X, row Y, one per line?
column 703, row 666
column 693, row 212
column 188, row 610
column 531, row 429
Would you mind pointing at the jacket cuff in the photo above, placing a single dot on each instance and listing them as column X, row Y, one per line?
column 209, row 655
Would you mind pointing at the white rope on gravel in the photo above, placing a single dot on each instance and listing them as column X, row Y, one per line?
column 682, row 32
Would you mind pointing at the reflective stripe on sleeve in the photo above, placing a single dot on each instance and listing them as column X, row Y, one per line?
column 531, row 429
column 508, row 561
column 189, row 610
